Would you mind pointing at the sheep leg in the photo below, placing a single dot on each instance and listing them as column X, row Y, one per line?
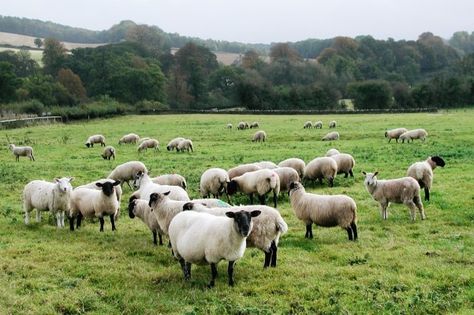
column 320, row 179
column 213, row 275
column 427, row 194
column 58, row 219
column 129, row 185
column 411, row 205
column 331, row 182
column 309, row 231
column 160, row 238
column 27, row 216
column 346, row 174
column 419, row 205
column 79, row 219
column 274, row 254
column 350, row 173
column 186, row 267
column 71, row 223
column 101, row 220
column 38, row 215
column 230, row 273
column 112, row 222
column 262, row 199
column 17, row 158
column 349, row 233
column 62, row 218
column 354, row 230
column 154, row 238
column 275, row 198
column 383, row 210
column 268, row 257
column 251, row 198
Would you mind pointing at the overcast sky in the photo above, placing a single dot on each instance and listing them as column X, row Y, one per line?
column 260, row 21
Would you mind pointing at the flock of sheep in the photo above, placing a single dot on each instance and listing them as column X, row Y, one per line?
column 207, row 230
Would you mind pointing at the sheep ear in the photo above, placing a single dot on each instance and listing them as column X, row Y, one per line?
column 230, row 214
column 71, row 179
column 375, row 174
column 117, row 182
column 365, row 174
column 255, row 213
column 167, row 193
column 188, row 206
column 153, row 198
column 56, row 179
column 99, row 184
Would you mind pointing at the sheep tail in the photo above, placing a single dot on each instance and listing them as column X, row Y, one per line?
column 281, row 226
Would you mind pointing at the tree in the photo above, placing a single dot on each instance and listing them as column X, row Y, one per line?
column 284, row 51
column 72, row 82
column 54, row 56
column 370, row 94
column 8, row 82
column 38, row 42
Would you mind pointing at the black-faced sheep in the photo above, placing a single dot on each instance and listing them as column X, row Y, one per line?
column 423, row 172
column 95, row 139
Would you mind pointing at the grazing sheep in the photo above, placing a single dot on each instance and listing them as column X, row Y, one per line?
column 241, row 125
column 170, row 179
column 423, row 172
column 404, row 190
column 127, row 171
column 247, row 126
column 260, row 182
column 109, row 152
column 308, row 125
column 203, row 238
column 259, row 136
column 43, row 196
column 331, row 136
column 394, row 133
column 414, row 134
column 332, row 124
column 321, row 167
column 146, row 187
column 214, row 181
column 22, row 151
column 130, row 138
column 173, row 144
column 254, row 125
column 345, row 163
column 143, row 139
column 141, row 209
column 318, row 124
column 324, row 210
column 91, row 202
column 149, row 144
column 266, row 164
column 295, row 163
column 95, row 139
column 332, row 152
column 185, row 144
column 229, row 126
column 287, row 175
column 242, row 169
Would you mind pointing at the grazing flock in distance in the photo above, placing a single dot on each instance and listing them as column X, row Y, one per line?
column 208, row 230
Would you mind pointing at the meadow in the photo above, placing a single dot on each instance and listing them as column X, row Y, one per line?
column 396, row 266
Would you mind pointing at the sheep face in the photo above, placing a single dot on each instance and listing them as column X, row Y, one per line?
column 108, row 187
column 11, row 147
column 370, row 179
column 88, row 144
column 188, row 206
column 131, row 208
column 137, row 180
column 64, row 184
column 232, row 187
column 156, row 198
column 438, row 161
column 243, row 221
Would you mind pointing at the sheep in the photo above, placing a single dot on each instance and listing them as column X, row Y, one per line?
column 321, row 167
column 295, row 163
column 127, row 171
column 246, row 124
column 22, row 151
column 287, row 175
column 143, row 139
column 324, row 210
column 332, row 124
column 186, row 144
column 109, row 152
column 43, row 196
column 260, row 182
column 173, row 144
column 331, row 136
column 404, row 190
column 255, row 124
column 241, row 126
column 394, row 133
column 266, row 231
column 214, row 181
column 130, row 138
column 91, row 202
column 140, row 208
column 149, row 144
column 170, row 179
column 146, row 187
column 318, row 125
column 95, row 139
column 242, row 169
column 164, row 208
column 259, row 136
column 118, row 190
column 423, row 172
column 229, row 126
column 308, row 125
column 332, row 152
column 211, row 203
column 345, row 163
column 414, row 134
column 266, row 164
column 203, row 238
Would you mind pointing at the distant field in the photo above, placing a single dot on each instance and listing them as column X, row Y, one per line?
column 35, row 54
column 397, row 266
column 23, row 40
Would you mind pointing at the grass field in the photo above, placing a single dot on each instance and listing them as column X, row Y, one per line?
column 395, row 267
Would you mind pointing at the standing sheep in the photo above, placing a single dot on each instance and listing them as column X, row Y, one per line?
column 173, row 144
column 423, row 172
column 308, row 125
column 22, row 151
column 127, row 171
column 414, row 134
column 146, row 187
column 260, row 182
column 165, row 209
column 242, row 169
column 332, row 124
column 318, row 124
column 95, row 139
column 345, row 163
column 130, row 138
column 185, row 145
column 404, row 190
column 331, row 136
column 109, row 152
column 118, row 190
column 149, row 144
column 214, row 181
column 295, row 163
column 170, row 179
column 321, row 167
column 394, row 133
column 43, row 196
column 287, row 175
column 141, row 209
column 324, row 210
column 259, row 136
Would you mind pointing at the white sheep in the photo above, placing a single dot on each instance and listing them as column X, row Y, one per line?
column 255, row 124
column 127, row 171
column 88, row 203
column 259, row 136
column 331, row 136
column 229, row 126
column 173, row 144
column 332, row 124
column 95, row 139
column 259, row 182
column 414, row 134
column 295, row 163
column 266, row 164
column 324, row 210
column 130, row 138
column 22, row 151
column 118, row 190
column 318, row 124
column 332, row 152
column 423, row 172
column 345, row 163
column 308, row 125
column 185, row 145
column 170, row 179
column 141, row 209
column 43, row 196
column 241, row 125
column 146, row 187
column 242, row 169
column 149, row 144
column 394, row 133
column 321, row 167
column 214, row 181
column 287, row 175
column 404, row 190
column 202, row 238
column 164, row 208
column 109, row 152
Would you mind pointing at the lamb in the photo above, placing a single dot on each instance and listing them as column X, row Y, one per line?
column 266, row 231
column 394, row 133
column 404, row 190
column 186, row 144
column 130, row 138
column 229, row 126
column 308, row 125
column 324, row 210
column 423, row 172
column 214, row 181
column 345, row 163
column 321, row 167
column 146, row 187
column 140, row 208
column 91, row 202
column 266, row 164
column 331, row 136
column 127, row 171
column 287, row 175
column 242, row 169
column 414, row 134
column 332, row 124
column 318, row 125
column 95, row 139
column 259, row 136
column 254, row 125
column 109, row 152
column 170, row 179
column 203, row 238
column 295, row 163
column 149, row 144
column 260, row 182
column 173, row 144
column 43, row 196
column 22, row 151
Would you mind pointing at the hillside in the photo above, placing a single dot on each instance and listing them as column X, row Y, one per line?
column 16, row 40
